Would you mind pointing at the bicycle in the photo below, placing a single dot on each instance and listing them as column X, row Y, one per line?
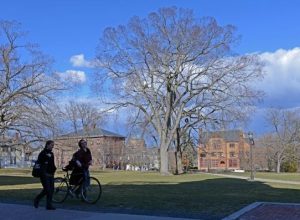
column 90, row 190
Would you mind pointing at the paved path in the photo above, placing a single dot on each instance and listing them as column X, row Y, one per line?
column 256, row 179
column 267, row 211
column 26, row 212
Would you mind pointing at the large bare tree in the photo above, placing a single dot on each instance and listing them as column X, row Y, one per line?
column 26, row 84
column 179, row 71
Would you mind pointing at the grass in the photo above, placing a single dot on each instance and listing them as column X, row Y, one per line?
column 192, row 195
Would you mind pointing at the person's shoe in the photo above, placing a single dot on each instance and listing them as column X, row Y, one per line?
column 35, row 203
column 50, row 208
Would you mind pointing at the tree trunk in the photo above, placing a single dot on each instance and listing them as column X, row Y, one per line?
column 176, row 163
column 164, row 160
column 278, row 166
column 178, row 154
column 179, row 163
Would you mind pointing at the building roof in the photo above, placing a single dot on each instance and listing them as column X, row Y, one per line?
column 227, row 135
column 96, row 132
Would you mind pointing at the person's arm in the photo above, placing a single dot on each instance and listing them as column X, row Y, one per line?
column 76, row 159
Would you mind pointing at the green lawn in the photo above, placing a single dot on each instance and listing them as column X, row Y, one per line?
column 192, row 195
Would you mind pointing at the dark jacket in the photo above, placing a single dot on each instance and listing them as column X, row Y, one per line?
column 46, row 160
column 84, row 158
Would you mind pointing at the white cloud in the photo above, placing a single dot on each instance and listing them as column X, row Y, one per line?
column 74, row 76
column 282, row 77
column 80, row 61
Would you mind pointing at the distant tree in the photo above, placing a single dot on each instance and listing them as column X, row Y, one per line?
column 83, row 115
column 284, row 138
column 172, row 66
column 27, row 86
column 261, row 156
column 188, row 147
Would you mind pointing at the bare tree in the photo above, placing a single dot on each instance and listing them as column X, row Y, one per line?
column 83, row 116
column 26, row 84
column 285, row 126
column 71, row 114
column 171, row 66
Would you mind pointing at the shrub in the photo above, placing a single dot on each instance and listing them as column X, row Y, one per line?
column 290, row 166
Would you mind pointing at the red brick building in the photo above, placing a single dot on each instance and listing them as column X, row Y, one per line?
column 106, row 147
column 223, row 150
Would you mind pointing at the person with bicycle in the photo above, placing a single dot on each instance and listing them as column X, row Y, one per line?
column 79, row 183
column 80, row 163
column 48, row 168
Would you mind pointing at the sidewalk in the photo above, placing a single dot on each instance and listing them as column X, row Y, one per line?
column 267, row 211
column 26, row 212
column 255, row 179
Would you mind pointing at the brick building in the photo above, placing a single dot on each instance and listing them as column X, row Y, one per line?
column 106, row 147
column 223, row 150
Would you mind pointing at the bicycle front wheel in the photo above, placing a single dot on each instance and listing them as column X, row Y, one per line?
column 60, row 190
column 91, row 191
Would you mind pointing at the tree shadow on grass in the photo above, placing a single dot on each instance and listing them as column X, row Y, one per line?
column 206, row 199
column 17, row 180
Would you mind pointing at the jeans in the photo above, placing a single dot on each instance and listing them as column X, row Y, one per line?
column 86, row 178
column 85, row 181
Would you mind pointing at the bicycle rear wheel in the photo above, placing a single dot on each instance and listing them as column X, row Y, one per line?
column 92, row 192
column 60, row 190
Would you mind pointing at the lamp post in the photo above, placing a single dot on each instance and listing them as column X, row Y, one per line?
column 251, row 140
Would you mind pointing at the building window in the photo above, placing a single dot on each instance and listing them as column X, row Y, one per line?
column 213, row 154
column 13, row 160
column 203, row 155
column 27, row 155
column 231, row 145
column 215, row 163
column 203, row 163
column 216, row 144
column 233, row 163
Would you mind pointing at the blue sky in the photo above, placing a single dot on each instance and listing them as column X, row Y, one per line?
column 70, row 29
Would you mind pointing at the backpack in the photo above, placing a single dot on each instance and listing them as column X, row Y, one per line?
column 36, row 169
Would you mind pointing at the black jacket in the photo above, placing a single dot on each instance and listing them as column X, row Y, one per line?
column 46, row 160
column 84, row 157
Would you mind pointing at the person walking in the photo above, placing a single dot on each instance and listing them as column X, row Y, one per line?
column 48, row 168
column 83, row 159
